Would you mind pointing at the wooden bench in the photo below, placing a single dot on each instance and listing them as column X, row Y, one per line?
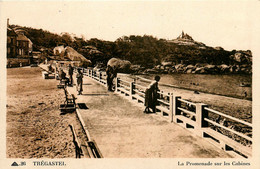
column 69, row 103
column 63, row 83
column 45, row 75
column 70, row 99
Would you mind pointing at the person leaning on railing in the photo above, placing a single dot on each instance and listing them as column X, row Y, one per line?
column 151, row 95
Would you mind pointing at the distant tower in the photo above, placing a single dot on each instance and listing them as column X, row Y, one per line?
column 7, row 22
column 182, row 34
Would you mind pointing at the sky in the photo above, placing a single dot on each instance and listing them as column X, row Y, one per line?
column 230, row 25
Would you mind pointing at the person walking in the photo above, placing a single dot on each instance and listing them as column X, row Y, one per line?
column 151, row 95
column 70, row 75
column 79, row 77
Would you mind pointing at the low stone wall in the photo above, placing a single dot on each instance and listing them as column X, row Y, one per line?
column 17, row 62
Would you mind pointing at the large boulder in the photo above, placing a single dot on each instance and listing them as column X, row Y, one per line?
column 179, row 68
column 137, row 68
column 242, row 57
column 167, row 64
column 152, row 71
column 189, row 71
column 200, row 70
column 189, row 68
column 58, row 50
column 119, row 64
column 224, row 68
column 75, row 56
column 211, row 69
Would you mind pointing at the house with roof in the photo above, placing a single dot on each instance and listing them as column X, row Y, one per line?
column 18, row 45
column 24, row 46
column 11, row 43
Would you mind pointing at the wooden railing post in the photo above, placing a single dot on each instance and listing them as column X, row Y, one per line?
column 201, row 113
column 100, row 76
column 116, row 83
column 175, row 104
column 132, row 87
column 87, row 73
column 171, row 107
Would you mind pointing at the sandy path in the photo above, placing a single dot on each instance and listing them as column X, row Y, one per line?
column 35, row 128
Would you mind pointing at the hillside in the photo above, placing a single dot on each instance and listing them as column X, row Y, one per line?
column 145, row 51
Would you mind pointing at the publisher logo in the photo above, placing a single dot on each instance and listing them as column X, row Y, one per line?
column 23, row 163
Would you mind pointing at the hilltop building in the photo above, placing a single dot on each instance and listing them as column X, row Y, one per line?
column 184, row 36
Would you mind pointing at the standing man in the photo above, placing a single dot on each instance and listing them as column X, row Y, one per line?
column 114, row 75
column 109, row 77
column 70, row 75
column 151, row 95
column 79, row 82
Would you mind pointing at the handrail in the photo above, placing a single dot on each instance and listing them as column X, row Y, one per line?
column 233, row 131
column 140, row 86
column 127, row 87
column 230, row 117
column 187, row 111
column 164, row 102
column 147, row 80
column 188, row 102
column 162, row 93
column 124, row 81
column 137, row 91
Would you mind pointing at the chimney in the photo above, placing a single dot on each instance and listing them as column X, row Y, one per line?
column 7, row 22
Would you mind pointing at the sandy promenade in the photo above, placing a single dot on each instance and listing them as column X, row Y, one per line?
column 35, row 128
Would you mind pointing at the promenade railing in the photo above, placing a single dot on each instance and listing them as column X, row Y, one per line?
column 218, row 128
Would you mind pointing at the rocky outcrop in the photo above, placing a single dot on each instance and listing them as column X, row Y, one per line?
column 120, row 65
column 69, row 53
column 59, row 50
column 137, row 68
column 75, row 56
column 202, row 69
column 242, row 57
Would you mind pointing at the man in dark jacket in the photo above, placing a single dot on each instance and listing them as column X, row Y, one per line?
column 109, row 72
column 70, row 75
